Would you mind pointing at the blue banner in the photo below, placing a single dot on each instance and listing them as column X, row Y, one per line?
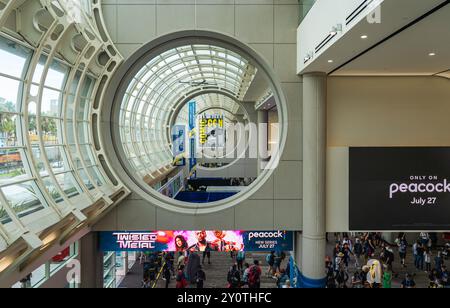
column 295, row 275
column 178, row 140
column 268, row 241
column 192, row 114
column 192, row 124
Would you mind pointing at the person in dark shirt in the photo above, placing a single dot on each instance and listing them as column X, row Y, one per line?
column 201, row 277
column 167, row 274
column 408, row 282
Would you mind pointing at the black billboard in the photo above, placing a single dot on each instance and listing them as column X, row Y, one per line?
column 399, row 189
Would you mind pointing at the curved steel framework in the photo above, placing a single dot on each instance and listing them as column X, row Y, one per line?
column 153, row 94
column 53, row 70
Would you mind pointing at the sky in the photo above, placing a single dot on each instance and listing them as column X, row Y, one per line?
column 12, row 65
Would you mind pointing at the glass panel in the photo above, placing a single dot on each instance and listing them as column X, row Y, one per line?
column 8, row 136
column 83, row 132
column 9, row 92
column 56, row 75
column 4, row 217
column 55, row 158
column 13, row 58
column 49, row 128
column 51, row 188
column 69, row 132
column 85, row 179
column 11, row 166
column 34, row 90
column 39, row 70
column 86, row 90
column 67, row 183
column 38, row 275
column 23, row 198
column 75, row 82
column 83, row 110
column 96, row 175
column 51, row 103
column 87, row 154
column 38, row 159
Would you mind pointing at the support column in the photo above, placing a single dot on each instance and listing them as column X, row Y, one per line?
column 263, row 122
column 314, row 180
column 91, row 259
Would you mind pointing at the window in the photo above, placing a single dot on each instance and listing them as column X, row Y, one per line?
column 44, row 272
column 23, row 198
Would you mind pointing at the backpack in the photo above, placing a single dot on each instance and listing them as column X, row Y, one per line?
column 180, row 276
column 253, row 275
column 240, row 256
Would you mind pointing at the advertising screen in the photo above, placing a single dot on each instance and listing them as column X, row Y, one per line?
column 197, row 241
column 399, row 189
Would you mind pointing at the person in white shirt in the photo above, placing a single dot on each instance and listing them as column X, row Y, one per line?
column 428, row 257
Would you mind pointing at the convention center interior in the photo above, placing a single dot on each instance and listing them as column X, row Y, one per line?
column 224, row 144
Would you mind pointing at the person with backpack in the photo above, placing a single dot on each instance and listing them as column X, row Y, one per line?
column 402, row 250
column 234, row 277
column 270, row 259
column 240, row 258
column 357, row 251
column 181, row 278
column 277, row 263
column 254, row 276
column 342, row 278
column 245, row 275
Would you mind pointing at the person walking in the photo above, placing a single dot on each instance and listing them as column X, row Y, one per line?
column 167, row 274
column 245, row 275
column 427, row 259
column 270, row 259
column 181, row 278
column 234, row 277
column 201, row 277
column 387, row 278
column 240, row 259
column 402, row 250
column 254, row 276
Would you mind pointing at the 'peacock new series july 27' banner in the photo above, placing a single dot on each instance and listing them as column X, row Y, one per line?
column 197, row 241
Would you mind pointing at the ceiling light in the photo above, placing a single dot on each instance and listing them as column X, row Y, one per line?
column 364, row 37
column 330, row 61
column 432, row 54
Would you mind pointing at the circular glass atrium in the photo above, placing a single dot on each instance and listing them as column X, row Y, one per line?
column 197, row 123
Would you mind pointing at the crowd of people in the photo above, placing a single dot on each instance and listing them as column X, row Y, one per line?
column 187, row 270
column 372, row 258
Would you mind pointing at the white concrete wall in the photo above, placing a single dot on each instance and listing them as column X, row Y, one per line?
column 318, row 23
column 269, row 27
column 375, row 112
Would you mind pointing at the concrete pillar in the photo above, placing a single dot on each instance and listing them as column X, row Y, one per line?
column 91, row 259
column 314, row 177
column 263, row 122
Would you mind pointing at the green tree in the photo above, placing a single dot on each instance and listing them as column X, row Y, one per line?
column 8, row 106
column 8, row 126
